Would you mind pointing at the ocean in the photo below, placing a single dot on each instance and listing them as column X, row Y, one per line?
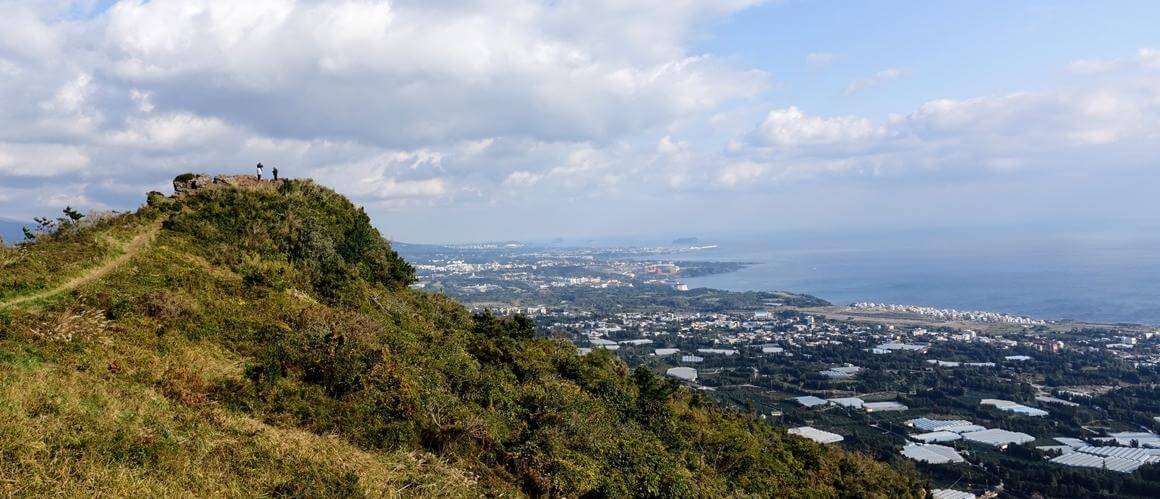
column 1091, row 278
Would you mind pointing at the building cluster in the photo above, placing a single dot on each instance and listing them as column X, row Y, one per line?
column 686, row 341
column 1123, row 452
column 947, row 314
column 832, row 375
column 768, row 333
column 546, row 270
column 937, row 430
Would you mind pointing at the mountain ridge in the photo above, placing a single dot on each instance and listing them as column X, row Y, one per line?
column 266, row 341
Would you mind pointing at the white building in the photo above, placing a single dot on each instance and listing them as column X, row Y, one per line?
column 661, row 352
column 848, row 402
column 636, row 342
column 937, row 436
column 685, row 373
column 951, row 494
column 1071, row 442
column 998, row 438
column 1133, row 453
column 1052, row 400
column 883, row 406
column 933, row 454
column 894, row 345
column 718, row 351
column 1120, row 459
column 841, row 372
column 1141, row 438
column 810, row 401
column 819, row 436
column 1013, row 407
column 926, row 424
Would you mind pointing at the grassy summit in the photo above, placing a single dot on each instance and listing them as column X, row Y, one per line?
column 261, row 340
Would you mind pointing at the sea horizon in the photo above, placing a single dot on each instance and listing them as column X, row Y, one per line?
column 1102, row 279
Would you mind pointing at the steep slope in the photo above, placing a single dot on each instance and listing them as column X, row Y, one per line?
column 265, row 342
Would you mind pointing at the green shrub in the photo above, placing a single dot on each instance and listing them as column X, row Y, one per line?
column 321, row 234
column 169, row 305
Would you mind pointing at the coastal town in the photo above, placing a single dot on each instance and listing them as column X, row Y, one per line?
column 976, row 401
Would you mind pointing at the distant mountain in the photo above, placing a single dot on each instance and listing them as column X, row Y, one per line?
column 10, row 230
column 685, row 240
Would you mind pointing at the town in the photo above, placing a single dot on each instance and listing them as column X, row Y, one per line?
column 977, row 402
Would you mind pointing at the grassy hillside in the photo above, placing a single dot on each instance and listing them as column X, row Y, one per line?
column 263, row 341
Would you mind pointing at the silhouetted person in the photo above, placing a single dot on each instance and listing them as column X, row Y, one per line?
column 259, row 171
column 275, row 172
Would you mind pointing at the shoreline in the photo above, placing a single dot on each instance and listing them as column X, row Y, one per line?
column 747, row 265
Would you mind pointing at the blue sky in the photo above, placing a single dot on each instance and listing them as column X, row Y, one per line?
column 461, row 120
column 951, row 49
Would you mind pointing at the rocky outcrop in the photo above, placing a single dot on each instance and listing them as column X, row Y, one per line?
column 189, row 183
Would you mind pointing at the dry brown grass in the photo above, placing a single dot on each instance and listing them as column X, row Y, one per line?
column 67, row 433
column 72, row 325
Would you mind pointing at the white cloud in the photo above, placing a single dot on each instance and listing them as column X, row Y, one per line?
column 820, row 58
column 790, row 128
column 393, row 189
column 406, row 74
column 522, row 179
column 416, row 104
column 738, row 173
column 143, row 100
column 1104, row 126
column 389, row 176
column 875, row 79
column 26, row 37
column 178, row 130
column 668, row 146
column 41, row 160
column 1144, row 58
column 396, row 101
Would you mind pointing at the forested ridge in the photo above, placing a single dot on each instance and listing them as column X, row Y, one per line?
column 266, row 342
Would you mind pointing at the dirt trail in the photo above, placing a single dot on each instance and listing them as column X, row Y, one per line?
column 128, row 250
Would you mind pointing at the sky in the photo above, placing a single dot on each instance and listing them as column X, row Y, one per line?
column 463, row 120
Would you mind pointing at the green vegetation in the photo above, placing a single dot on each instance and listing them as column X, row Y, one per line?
column 266, row 343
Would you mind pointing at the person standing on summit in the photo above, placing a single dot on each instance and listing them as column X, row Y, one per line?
column 275, row 172
column 259, row 172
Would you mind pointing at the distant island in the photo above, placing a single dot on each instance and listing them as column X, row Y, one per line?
column 685, row 240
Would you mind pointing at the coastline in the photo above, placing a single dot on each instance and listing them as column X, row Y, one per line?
column 1048, row 291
